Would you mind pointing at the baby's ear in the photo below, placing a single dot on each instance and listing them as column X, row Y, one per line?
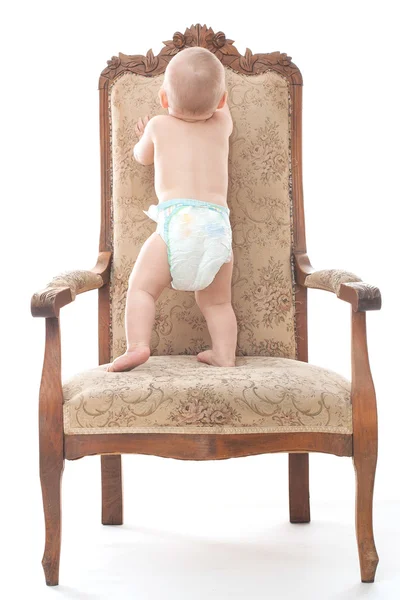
column 222, row 102
column 163, row 98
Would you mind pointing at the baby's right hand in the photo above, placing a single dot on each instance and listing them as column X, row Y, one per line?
column 141, row 125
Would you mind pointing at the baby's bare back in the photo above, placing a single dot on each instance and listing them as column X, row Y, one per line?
column 191, row 158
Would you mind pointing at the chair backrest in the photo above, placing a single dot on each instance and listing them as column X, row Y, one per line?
column 264, row 195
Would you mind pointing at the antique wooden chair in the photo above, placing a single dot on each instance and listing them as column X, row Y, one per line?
column 174, row 406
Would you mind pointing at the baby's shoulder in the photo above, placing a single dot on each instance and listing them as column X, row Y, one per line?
column 222, row 119
column 160, row 118
column 159, row 123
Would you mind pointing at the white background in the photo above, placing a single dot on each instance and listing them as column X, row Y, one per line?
column 214, row 529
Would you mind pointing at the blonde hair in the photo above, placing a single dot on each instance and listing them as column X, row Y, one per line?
column 194, row 81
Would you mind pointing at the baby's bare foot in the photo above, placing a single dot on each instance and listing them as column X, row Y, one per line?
column 211, row 358
column 129, row 360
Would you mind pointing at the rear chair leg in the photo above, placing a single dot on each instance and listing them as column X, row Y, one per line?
column 111, row 489
column 299, row 495
column 365, row 477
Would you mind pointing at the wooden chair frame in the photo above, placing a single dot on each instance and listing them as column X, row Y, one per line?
column 55, row 447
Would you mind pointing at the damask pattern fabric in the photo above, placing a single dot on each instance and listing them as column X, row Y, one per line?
column 259, row 197
column 178, row 394
column 330, row 279
column 77, row 281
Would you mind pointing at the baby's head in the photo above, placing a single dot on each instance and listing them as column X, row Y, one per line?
column 194, row 84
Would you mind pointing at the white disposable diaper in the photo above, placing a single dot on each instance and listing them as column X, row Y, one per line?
column 198, row 236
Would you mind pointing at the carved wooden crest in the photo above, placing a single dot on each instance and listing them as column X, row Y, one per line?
column 201, row 35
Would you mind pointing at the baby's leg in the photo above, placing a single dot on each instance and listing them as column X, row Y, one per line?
column 149, row 277
column 215, row 304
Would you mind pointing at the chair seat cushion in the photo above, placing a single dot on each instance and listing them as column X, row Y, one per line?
column 178, row 394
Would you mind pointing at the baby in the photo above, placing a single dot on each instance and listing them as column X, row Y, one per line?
column 191, row 248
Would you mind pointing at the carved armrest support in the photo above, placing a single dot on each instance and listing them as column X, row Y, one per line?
column 346, row 285
column 63, row 288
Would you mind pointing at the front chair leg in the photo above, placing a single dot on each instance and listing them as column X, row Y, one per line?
column 299, row 495
column 50, row 479
column 365, row 477
column 51, row 448
column 111, row 490
column 365, row 444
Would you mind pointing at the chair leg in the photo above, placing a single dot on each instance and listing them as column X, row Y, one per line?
column 50, row 479
column 299, row 495
column 51, row 448
column 111, row 489
column 365, row 444
column 365, row 478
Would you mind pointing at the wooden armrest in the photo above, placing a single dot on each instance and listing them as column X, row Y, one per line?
column 63, row 288
column 346, row 285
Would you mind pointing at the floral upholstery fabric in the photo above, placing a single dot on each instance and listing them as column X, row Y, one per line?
column 178, row 394
column 330, row 279
column 77, row 281
column 259, row 197
column 268, row 391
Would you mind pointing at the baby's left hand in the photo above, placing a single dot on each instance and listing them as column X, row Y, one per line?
column 141, row 125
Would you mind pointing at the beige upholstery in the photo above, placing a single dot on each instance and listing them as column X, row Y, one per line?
column 77, row 281
column 177, row 394
column 330, row 279
column 259, row 197
column 268, row 391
